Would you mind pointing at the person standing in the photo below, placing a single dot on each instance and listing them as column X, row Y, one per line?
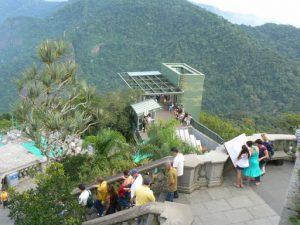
column 144, row 195
column 268, row 144
column 297, row 134
column 137, row 181
column 241, row 163
column 253, row 171
column 124, row 190
column 111, row 203
column 144, row 123
column 172, row 182
column 178, row 164
column 102, row 192
column 84, row 195
column 4, row 197
column 263, row 155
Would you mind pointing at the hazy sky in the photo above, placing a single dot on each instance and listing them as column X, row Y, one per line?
column 276, row 11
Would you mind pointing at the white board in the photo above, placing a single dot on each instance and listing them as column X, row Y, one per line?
column 234, row 147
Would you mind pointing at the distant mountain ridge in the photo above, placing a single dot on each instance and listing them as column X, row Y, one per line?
column 247, row 69
column 32, row 8
column 236, row 18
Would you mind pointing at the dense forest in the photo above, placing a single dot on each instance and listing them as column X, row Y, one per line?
column 33, row 8
column 248, row 70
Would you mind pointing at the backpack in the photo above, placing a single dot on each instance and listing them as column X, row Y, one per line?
column 269, row 147
column 90, row 200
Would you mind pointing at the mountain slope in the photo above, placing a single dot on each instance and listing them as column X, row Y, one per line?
column 33, row 8
column 236, row 18
column 110, row 36
column 282, row 38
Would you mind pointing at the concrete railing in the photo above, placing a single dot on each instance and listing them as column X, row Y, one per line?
column 202, row 171
column 26, row 170
column 155, row 169
column 281, row 142
column 290, row 208
column 199, row 171
column 156, row 213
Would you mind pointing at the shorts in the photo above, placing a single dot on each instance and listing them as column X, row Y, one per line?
column 239, row 168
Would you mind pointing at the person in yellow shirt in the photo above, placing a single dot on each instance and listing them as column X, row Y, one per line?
column 102, row 192
column 143, row 194
column 172, row 182
column 4, row 197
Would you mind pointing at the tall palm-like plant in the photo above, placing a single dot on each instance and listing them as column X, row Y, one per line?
column 53, row 101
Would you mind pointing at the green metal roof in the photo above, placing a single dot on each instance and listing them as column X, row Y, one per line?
column 151, row 82
column 146, row 106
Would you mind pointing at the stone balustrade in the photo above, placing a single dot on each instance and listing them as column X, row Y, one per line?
column 281, row 142
column 202, row 171
column 199, row 171
column 157, row 213
column 291, row 203
column 155, row 169
column 27, row 170
column 30, row 171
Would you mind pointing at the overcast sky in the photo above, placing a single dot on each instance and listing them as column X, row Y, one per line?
column 276, row 11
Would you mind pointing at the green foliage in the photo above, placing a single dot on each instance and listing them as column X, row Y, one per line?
column 75, row 161
column 33, row 8
column 226, row 129
column 111, row 155
column 108, row 143
column 295, row 220
column 52, row 99
column 5, row 125
column 111, row 36
column 284, row 38
column 112, row 110
column 162, row 138
column 51, row 203
column 5, row 122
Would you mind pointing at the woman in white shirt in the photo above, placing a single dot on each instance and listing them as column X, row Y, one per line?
column 241, row 163
column 84, row 195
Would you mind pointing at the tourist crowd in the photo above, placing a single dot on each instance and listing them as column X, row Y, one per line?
column 180, row 114
column 133, row 190
column 252, row 159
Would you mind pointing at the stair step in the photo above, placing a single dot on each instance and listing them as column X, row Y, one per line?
column 193, row 140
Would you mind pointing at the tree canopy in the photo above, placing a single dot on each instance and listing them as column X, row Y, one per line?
column 51, row 203
column 53, row 101
column 243, row 66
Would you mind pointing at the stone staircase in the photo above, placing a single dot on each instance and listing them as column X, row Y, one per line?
column 185, row 135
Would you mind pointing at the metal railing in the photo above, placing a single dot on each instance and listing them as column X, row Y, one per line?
column 208, row 132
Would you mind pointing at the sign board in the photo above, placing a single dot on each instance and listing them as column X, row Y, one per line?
column 234, row 147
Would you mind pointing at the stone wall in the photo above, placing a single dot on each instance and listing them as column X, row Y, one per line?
column 292, row 198
column 202, row 171
column 158, row 213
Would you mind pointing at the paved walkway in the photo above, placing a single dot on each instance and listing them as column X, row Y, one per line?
column 228, row 205
column 4, row 219
column 251, row 205
column 275, row 184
